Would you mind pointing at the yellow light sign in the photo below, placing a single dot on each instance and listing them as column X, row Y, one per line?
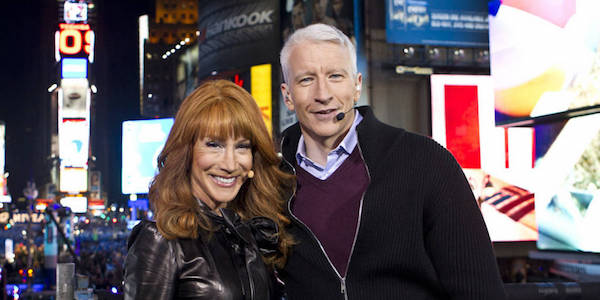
column 260, row 88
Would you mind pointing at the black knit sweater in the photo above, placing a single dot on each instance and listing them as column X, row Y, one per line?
column 420, row 236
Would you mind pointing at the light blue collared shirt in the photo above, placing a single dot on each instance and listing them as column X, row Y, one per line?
column 335, row 158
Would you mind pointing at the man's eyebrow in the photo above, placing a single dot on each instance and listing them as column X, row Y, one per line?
column 338, row 70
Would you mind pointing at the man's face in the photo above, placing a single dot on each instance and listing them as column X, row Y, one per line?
column 320, row 86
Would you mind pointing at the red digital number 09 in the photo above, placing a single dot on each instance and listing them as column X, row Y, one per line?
column 72, row 42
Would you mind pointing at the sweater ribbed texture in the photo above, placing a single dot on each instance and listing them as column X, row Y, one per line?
column 330, row 208
column 421, row 234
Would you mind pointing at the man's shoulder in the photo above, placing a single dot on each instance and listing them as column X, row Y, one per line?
column 293, row 131
column 289, row 140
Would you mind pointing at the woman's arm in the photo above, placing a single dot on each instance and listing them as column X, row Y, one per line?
column 150, row 266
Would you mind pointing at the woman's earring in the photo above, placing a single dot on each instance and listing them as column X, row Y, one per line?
column 250, row 174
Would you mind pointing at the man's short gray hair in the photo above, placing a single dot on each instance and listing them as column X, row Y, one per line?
column 316, row 33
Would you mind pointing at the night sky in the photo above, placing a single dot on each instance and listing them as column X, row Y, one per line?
column 28, row 69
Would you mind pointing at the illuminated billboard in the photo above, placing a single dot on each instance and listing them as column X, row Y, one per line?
column 75, row 40
column 4, row 196
column 73, row 137
column 459, row 23
column 567, row 196
column 76, row 204
column 143, row 141
column 75, row 11
column 74, row 68
column 260, row 88
column 73, row 180
column 497, row 161
column 2, row 134
column 74, row 98
column 544, row 58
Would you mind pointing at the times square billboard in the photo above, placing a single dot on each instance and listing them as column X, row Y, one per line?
column 74, row 50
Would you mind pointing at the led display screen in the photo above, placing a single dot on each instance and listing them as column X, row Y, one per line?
column 75, row 11
column 568, row 187
column 73, row 180
column 142, row 142
column 76, row 204
column 4, row 197
column 74, row 68
column 437, row 22
column 74, row 99
column 544, row 57
column 497, row 161
column 74, row 136
column 76, row 40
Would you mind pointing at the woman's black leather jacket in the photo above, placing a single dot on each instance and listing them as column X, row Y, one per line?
column 226, row 265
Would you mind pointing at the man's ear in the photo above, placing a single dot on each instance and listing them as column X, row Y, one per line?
column 287, row 97
column 358, row 87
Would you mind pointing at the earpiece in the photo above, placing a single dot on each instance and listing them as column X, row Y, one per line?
column 250, row 174
column 358, row 88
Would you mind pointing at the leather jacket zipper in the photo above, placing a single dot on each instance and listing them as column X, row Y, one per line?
column 250, row 281
column 343, row 289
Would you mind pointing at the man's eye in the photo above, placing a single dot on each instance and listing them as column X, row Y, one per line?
column 305, row 80
column 336, row 76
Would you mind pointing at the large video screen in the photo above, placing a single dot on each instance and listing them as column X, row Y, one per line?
column 567, row 194
column 497, row 162
column 4, row 197
column 544, row 58
column 458, row 23
column 142, row 142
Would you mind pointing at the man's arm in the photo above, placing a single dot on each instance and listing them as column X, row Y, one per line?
column 457, row 239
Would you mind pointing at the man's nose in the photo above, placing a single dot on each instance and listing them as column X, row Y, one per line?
column 322, row 92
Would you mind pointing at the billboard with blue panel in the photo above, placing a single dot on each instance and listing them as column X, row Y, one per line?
column 459, row 23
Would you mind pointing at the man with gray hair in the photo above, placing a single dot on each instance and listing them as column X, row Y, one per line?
column 379, row 212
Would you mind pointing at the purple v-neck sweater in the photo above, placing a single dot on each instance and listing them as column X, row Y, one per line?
column 330, row 208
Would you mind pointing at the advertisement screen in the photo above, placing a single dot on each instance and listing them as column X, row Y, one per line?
column 461, row 23
column 73, row 180
column 76, row 204
column 544, row 58
column 4, row 196
column 2, row 148
column 74, row 68
column 74, row 98
column 74, row 135
column 568, row 190
column 230, row 29
column 497, row 162
column 142, row 142
column 75, row 11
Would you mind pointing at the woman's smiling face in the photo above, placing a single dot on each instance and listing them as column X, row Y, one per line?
column 219, row 169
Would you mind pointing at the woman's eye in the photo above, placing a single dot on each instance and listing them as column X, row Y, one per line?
column 245, row 146
column 213, row 144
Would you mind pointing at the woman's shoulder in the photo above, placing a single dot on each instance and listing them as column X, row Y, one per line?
column 145, row 232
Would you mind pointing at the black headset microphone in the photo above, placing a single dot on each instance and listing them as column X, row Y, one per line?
column 341, row 115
